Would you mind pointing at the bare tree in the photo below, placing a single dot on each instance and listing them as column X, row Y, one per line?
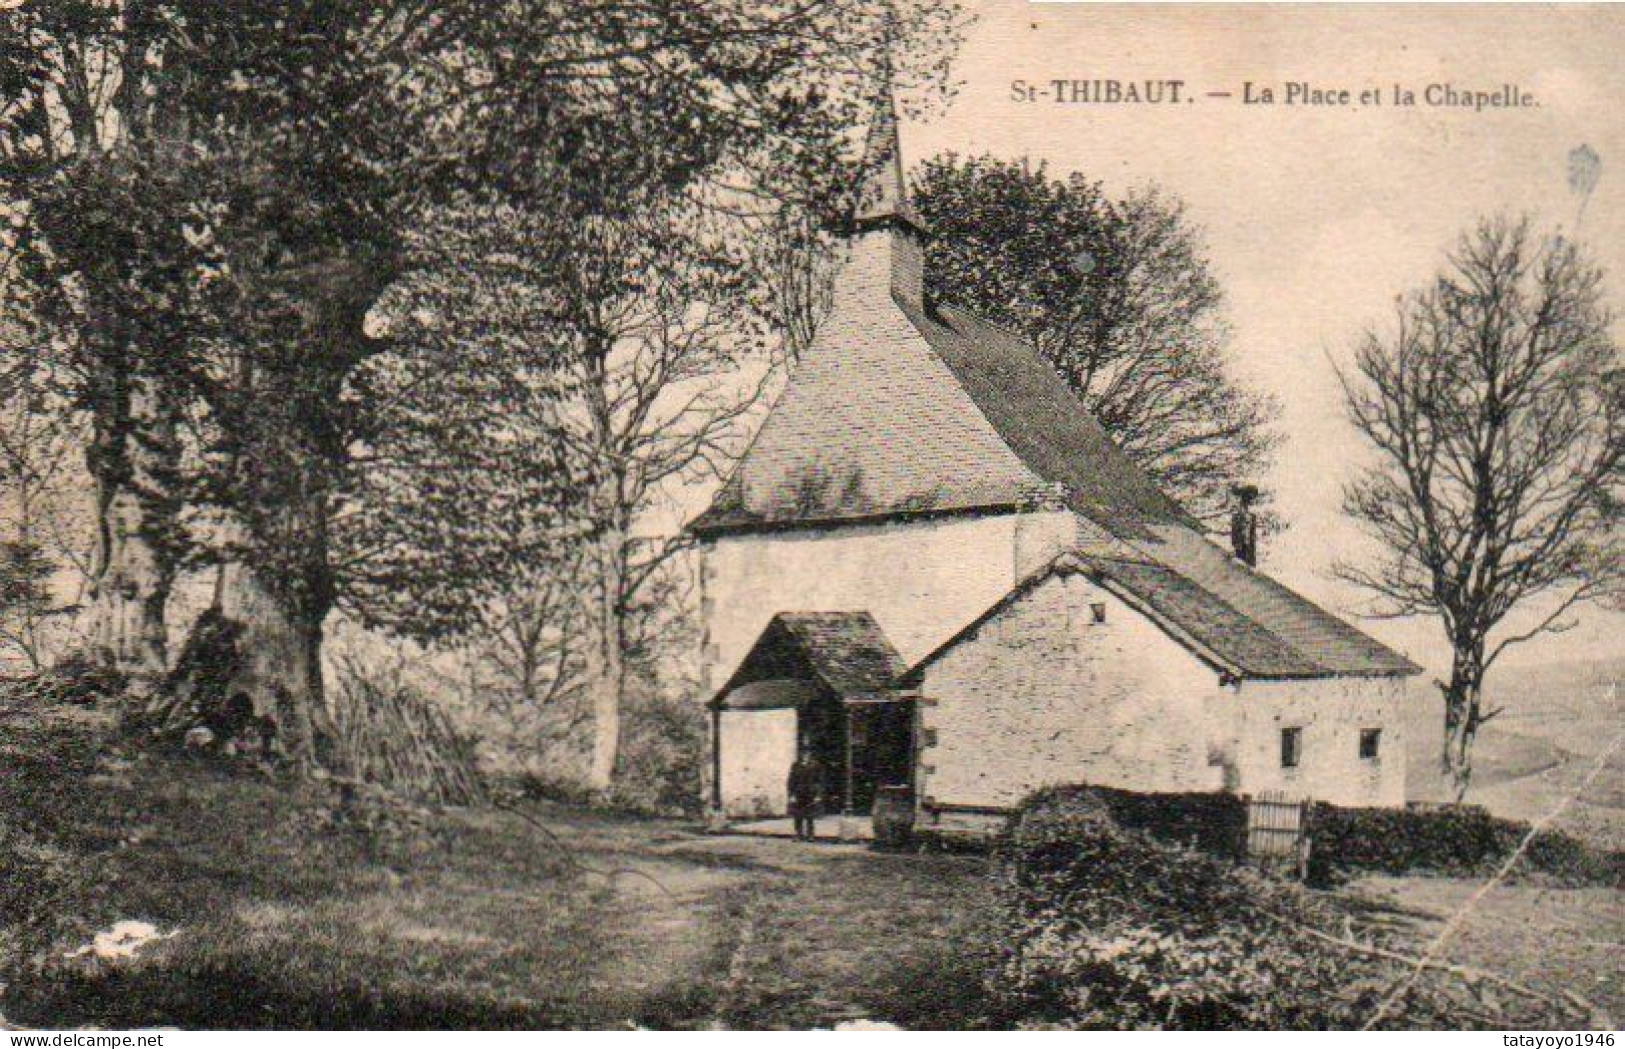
column 44, row 553
column 524, row 661
column 637, row 379
column 1495, row 406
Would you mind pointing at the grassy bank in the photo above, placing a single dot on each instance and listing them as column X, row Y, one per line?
column 292, row 909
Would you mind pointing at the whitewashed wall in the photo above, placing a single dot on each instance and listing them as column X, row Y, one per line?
column 1331, row 712
column 922, row 580
column 1042, row 695
column 758, row 748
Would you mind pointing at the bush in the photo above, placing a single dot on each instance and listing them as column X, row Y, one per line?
column 1211, row 822
column 662, row 758
column 662, row 762
column 1098, row 925
column 393, row 735
column 75, row 678
column 1453, row 841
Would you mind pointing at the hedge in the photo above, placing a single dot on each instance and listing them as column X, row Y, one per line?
column 1095, row 924
column 1452, row 841
column 1211, row 822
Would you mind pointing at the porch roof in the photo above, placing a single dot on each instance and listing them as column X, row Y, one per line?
column 847, row 652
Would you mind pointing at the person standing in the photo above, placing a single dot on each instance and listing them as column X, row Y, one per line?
column 806, row 792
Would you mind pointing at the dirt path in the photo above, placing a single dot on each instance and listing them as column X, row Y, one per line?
column 724, row 931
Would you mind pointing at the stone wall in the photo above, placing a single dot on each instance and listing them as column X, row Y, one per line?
column 1042, row 694
column 1331, row 713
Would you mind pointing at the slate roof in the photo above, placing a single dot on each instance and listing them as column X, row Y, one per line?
column 1044, row 423
column 930, row 412
column 1218, row 633
column 872, row 424
column 899, row 410
column 847, row 651
column 1292, row 618
column 1236, row 643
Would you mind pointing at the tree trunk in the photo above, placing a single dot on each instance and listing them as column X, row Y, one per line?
column 1462, row 716
column 606, row 653
column 132, row 461
column 129, row 589
column 293, row 454
column 281, row 664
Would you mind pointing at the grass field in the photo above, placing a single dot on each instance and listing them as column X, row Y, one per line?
column 289, row 913
column 1558, row 941
column 1542, row 749
column 284, row 917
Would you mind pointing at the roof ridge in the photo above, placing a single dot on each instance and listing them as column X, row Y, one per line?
column 980, row 318
column 1280, row 589
column 1152, row 559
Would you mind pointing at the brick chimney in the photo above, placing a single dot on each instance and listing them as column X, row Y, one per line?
column 1244, row 524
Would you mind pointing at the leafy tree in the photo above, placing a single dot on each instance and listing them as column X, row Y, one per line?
column 95, row 252
column 587, row 115
column 299, row 146
column 1495, row 405
column 1119, row 297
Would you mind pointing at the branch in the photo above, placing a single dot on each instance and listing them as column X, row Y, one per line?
column 1582, row 593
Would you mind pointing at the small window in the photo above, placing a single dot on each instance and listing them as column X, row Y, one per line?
column 1098, row 612
column 1291, row 747
column 1370, row 741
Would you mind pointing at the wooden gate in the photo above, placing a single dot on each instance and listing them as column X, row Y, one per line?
column 1278, row 831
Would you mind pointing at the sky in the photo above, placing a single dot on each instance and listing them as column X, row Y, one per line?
column 1317, row 218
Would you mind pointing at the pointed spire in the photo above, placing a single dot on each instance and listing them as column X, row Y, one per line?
column 882, row 195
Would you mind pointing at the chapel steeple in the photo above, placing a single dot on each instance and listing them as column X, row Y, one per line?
column 883, row 195
column 885, row 227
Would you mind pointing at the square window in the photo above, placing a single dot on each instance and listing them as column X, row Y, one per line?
column 1098, row 612
column 1370, row 740
column 1291, row 747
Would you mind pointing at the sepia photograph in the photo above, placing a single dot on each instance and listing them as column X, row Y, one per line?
column 787, row 515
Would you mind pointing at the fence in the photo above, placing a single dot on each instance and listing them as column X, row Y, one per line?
column 1278, row 831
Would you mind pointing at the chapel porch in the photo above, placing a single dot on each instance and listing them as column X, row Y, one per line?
column 817, row 683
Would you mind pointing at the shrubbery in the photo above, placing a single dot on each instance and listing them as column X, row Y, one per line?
column 1452, row 841
column 75, row 679
column 1462, row 841
column 661, row 764
column 662, row 757
column 1097, row 925
column 1210, row 821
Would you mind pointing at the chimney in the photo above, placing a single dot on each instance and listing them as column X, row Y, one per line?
column 1244, row 524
